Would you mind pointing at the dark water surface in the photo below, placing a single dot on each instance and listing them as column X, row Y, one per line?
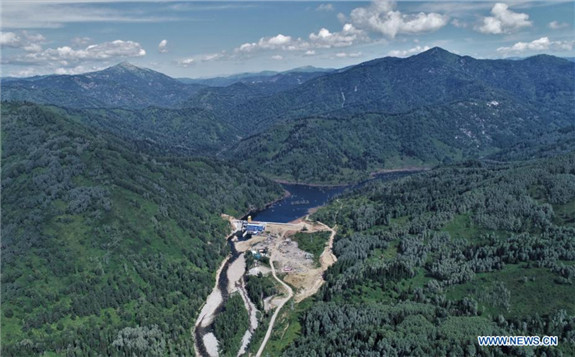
column 304, row 197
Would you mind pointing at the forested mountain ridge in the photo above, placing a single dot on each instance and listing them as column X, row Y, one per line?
column 106, row 249
column 276, row 80
column 346, row 149
column 123, row 85
column 224, row 101
column 396, row 85
column 431, row 108
column 163, row 130
column 428, row 263
column 549, row 144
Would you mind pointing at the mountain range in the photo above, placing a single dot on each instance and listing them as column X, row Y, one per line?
column 123, row 85
column 114, row 183
column 430, row 108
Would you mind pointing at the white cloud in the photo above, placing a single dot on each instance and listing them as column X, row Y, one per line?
column 408, row 52
column 212, row 57
column 541, row 44
column 556, row 25
column 503, row 20
column 382, row 17
column 269, row 43
column 32, row 47
column 9, row 39
column 68, row 56
column 163, row 46
column 277, row 57
column 348, row 36
column 78, row 69
column 37, row 70
column 54, row 14
column 26, row 72
column 459, row 24
column 460, row 8
column 27, row 41
column 81, row 41
column 186, row 62
column 348, row 54
column 325, row 7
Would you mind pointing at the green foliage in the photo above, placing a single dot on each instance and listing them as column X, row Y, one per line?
column 259, row 288
column 287, row 328
column 399, row 85
column 313, row 243
column 346, row 149
column 429, row 262
column 162, row 130
column 230, row 325
column 107, row 249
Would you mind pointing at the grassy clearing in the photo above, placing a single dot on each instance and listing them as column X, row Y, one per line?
column 462, row 227
column 287, row 327
column 565, row 214
column 313, row 243
column 531, row 290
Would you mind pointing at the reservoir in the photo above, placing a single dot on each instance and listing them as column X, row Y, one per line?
column 304, row 197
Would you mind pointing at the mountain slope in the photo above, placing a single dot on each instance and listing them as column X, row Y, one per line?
column 123, row 85
column 428, row 263
column 224, row 101
column 105, row 249
column 345, row 149
column 286, row 79
column 184, row 131
column 434, row 77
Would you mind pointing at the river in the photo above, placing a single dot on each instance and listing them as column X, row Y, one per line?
column 302, row 198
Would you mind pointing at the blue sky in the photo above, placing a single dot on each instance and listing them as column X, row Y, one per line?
column 202, row 39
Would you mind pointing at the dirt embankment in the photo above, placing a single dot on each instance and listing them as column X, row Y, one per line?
column 308, row 282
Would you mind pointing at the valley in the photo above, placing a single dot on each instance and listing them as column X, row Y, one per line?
column 282, row 254
column 396, row 207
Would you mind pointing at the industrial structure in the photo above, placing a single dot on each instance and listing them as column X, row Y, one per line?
column 251, row 227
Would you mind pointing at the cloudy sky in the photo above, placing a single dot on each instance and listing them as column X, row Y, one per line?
column 200, row 39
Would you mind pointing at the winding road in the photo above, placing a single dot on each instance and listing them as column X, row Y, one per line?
column 327, row 259
column 276, row 313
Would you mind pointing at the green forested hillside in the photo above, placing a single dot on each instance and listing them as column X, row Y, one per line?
column 335, row 150
column 107, row 250
column 162, row 130
column 428, row 263
column 398, row 85
column 548, row 144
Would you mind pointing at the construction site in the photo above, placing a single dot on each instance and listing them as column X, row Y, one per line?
column 274, row 241
column 271, row 251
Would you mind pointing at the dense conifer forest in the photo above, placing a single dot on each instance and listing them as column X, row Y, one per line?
column 107, row 249
column 428, row 263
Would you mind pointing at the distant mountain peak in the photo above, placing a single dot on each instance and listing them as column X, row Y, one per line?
column 126, row 66
column 436, row 52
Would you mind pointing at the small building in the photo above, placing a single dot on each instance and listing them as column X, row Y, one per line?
column 255, row 228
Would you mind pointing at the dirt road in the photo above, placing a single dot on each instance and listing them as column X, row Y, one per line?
column 276, row 313
column 312, row 280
